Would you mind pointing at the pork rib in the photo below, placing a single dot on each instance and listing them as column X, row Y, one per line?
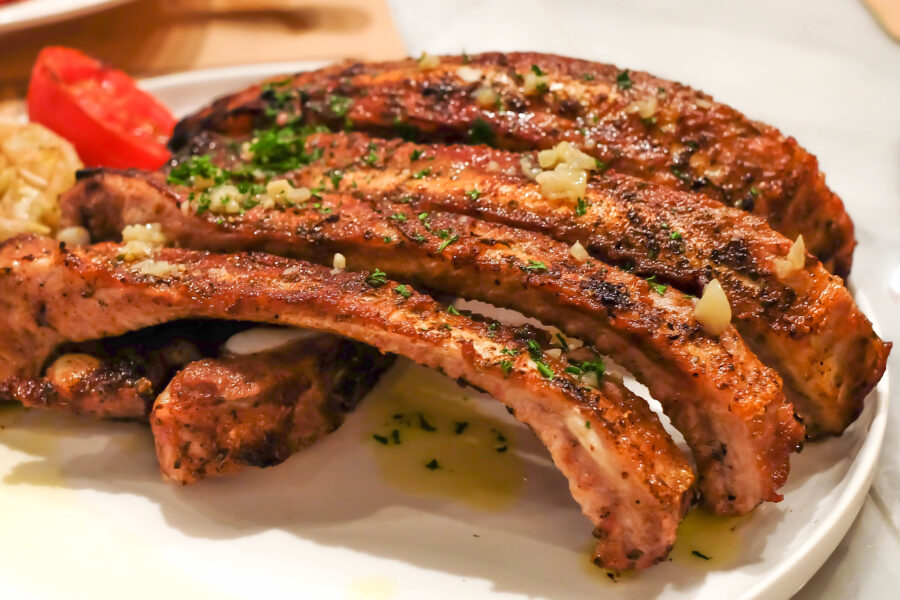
column 805, row 325
column 218, row 415
column 635, row 123
column 624, row 470
column 728, row 405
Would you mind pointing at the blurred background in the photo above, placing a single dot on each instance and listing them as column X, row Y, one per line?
column 825, row 71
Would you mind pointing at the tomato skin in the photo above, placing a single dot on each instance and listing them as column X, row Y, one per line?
column 99, row 109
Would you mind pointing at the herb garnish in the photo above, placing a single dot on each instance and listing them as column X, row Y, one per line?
column 623, row 80
column 434, row 464
column 474, row 194
column 403, row 291
column 659, row 288
column 581, row 207
column 535, row 265
column 423, row 173
column 377, row 279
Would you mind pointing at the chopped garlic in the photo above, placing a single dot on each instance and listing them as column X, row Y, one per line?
column 703, row 103
column 578, row 252
column 339, row 263
column 712, row 309
column 590, row 379
column 428, row 61
column 565, row 181
column 554, row 352
column 485, row 97
column 74, row 236
column 139, row 240
column 645, row 108
column 794, row 261
column 282, row 192
column 534, row 83
column 528, row 168
column 468, row 74
column 157, row 268
column 564, row 152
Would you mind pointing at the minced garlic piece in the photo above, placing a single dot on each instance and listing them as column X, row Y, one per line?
column 528, row 168
column 339, row 263
column 282, row 192
column 533, row 83
column 74, row 236
column 485, row 97
column 578, row 252
column 428, row 61
column 554, row 352
column 468, row 74
column 645, row 108
column 564, row 152
column 590, row 379
column 157, row 268
column 139, row 240
column 712, row 309
column 565, row 181
column 794, row 261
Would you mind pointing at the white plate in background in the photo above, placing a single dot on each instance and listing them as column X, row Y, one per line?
column 83, row 512
column 29, row 13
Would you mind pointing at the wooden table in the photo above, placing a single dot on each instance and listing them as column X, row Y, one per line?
column 151, row 37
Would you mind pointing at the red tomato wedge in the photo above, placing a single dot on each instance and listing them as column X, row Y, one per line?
column 99, row 109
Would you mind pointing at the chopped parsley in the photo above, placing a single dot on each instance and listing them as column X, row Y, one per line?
column 377, row 279
column 335, row 175
column 562, row 342
column 600, row 165
column 581, row 207
column 537, row 70
column 481, row 132
column 623, row 80
column 589, row 366
column 339, row 105
column 433, row 465
column 403, row 291
column 544, row 370
column 587, row 77
column 754, row 191
column 460, row 426
column 509, row 352
column 699, row 554
column 372, row 156
column 587, row 424
column 447, row 241
column 422, row 173
column 474, row 194
column 675, row 235
column 399, row 217
column 680, row 174
column 425, row 425
column 659, row 288
column 535, row 265
column 506, row 365
column 380, row 439
column 451, row 310
column 416, row 154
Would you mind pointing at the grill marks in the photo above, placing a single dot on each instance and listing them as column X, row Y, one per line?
column 654, row 129
column 651, row 332
column 635, row 516
column 682, row 239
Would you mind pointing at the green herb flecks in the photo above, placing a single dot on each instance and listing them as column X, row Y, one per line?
column 535, row 266
column 623, row 80
column 377, row 279
column 403, row 291
column 659, row 288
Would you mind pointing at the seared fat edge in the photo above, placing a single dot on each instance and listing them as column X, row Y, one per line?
column 729, row 406
column 631, row 480
column 217, row 416
column 805, row 325
column 658, row 130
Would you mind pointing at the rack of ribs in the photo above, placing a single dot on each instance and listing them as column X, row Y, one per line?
column 623, row 468
column 727, row 404
column 660, row 131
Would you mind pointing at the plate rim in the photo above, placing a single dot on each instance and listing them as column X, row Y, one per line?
column 790, row 575
column 26, row 14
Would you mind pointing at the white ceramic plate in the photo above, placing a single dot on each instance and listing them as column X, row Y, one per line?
column 28, row 13
column 83, row 512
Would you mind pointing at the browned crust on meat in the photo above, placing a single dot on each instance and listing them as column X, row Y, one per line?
column 690, row 142
column 624, row 470
column 217, row 416
column 714, row 389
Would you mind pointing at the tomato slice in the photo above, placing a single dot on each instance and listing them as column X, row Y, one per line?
column 99, row 109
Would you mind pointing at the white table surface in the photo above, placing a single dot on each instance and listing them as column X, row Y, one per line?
column 820, row 70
